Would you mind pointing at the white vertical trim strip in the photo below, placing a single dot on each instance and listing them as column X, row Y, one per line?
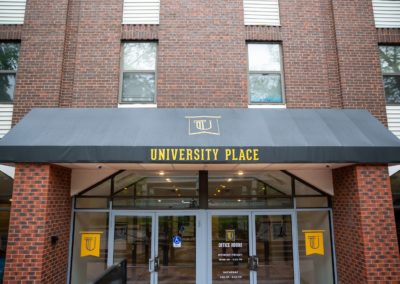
column 393, row 116
column 6, row 112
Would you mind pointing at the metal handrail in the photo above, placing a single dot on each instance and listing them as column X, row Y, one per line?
column 115, row 274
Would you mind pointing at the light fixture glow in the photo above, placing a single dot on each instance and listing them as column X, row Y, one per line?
column 161, row 173
column 240, row 173
column 229, row 179
column 168, row 179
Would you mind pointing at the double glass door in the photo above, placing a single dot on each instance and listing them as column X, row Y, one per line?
column 158, row 248
column 251, row 248
column 217, row 247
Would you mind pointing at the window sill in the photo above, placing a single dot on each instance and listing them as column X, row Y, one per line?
column 267, row 106
column 137, row 105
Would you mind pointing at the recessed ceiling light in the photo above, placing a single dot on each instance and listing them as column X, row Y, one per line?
column 240, row 173
column 229, row 179
column 161, row 173
column 239, row 200
column 168, row 179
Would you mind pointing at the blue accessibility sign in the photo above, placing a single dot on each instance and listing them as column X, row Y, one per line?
column 177, row 241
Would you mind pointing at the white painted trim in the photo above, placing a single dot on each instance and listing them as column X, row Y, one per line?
column 394, row 169
column 10, row 171
column 267, row 106
column 137, row 105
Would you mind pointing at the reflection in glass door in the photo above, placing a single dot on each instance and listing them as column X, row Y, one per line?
column 133, row 237
column 252, row 248
column 158, row 249
column 230, row 249
column 177, row 249
column 274, row 249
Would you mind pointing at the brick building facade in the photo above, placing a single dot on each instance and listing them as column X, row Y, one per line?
column 70, row 57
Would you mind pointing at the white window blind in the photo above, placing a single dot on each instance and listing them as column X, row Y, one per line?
column 387, row 13
column 393, row 115
column 6, row 111
column 261, row 12
column 141, row 12
column 12, row 12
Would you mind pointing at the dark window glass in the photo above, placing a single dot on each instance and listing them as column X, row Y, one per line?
column 9, row 53
column 392, row 89
column 390, row 64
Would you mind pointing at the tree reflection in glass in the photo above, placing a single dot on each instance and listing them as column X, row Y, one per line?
column 390, row 64
column 265, row 88
column 9, row 53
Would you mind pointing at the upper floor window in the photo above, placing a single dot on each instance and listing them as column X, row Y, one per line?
column 12, row 12
column 390, row 64
column 265, row 73
column 9, row 53
column 261, row 12
column 141, row 12
column 138, row 72
column 386, row 13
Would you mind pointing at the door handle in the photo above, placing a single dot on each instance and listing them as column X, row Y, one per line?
column 253, row 263
column 154, row 264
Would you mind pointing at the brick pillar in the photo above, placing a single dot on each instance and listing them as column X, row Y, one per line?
column 41, row 208
column 364, row 226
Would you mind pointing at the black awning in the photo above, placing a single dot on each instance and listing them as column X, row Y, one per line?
column 199, row 136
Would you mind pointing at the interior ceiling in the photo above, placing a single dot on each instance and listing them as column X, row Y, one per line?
column 197, row 167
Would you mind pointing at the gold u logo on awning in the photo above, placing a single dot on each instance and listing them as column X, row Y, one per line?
column 314, row 241
column 203, row 125
column 90, row 243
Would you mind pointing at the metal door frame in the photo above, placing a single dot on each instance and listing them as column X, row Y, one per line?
column 154, row 235
column 251, row 214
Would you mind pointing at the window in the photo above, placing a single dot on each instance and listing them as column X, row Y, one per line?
column 138, row 72
column 9, row 53
column 390, row 64
column 265, row 73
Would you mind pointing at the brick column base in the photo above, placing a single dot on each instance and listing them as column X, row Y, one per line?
column 41, row 208
column 364, row 226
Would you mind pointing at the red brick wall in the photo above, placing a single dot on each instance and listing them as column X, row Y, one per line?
column 364, row 226
column 98, row 42
column 310, row 62
column 40, row 63
column 357, row 44
column 41, row 208
column 202, row 57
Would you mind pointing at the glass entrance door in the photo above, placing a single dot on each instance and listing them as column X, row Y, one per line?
column 251, row 248
column 159, row 248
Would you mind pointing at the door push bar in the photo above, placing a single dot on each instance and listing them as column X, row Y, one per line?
column 253, row 263
column 154, row 264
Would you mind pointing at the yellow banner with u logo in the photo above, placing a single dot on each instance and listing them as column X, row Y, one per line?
column 90, row 244
column 314, row 242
